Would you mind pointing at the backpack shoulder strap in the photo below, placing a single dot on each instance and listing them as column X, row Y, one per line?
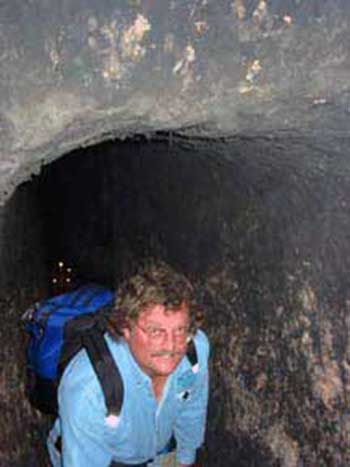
column 106, row 370
column 192, row 355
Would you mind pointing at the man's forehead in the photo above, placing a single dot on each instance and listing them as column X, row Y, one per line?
column 158, row 311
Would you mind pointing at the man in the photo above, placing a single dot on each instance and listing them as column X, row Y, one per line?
column 154, row 319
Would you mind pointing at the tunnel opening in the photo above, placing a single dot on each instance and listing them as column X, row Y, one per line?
column 130, row 197
column 259, row 223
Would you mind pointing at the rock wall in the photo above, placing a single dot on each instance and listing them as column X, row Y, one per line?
column 257, row 95
column 23, row 280
column 79, row 72
column 23, row 252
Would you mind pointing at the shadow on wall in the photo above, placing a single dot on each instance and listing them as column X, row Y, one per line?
column 237, row 452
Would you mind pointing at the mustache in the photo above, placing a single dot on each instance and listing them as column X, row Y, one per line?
column 166, row 353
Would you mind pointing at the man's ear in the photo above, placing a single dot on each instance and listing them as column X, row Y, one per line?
column 126, row 333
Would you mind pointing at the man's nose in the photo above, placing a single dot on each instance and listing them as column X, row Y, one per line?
column 169, row 342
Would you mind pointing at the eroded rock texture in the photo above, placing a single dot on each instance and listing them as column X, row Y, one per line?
column 77, row 72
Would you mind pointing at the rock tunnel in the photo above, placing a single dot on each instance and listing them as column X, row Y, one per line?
column 213, row 135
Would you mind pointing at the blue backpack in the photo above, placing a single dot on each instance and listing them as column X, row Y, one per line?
column 61, row 326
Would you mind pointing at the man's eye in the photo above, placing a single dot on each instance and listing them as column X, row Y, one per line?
column 181, row 332
column 155, row 332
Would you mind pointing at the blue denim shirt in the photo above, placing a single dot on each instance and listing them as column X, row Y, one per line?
column 144, row 427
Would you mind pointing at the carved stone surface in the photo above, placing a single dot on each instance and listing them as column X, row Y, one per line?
column 242, row 181
column 77, row 72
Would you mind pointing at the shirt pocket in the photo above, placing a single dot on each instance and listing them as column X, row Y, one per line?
column 184, row 387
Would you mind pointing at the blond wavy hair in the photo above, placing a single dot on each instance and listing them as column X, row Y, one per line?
column 156, row 283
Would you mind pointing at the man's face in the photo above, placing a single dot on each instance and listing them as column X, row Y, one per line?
column 158, row 340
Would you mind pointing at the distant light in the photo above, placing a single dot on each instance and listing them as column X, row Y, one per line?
column 320, row 101
column 68, row 279
column 60, row 264
column 287, row 19
column 54, row 280
column 69, row 269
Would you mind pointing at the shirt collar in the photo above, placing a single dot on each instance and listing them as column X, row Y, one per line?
column 139, row 375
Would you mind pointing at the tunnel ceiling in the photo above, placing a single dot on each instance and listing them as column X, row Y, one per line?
column 77, row 72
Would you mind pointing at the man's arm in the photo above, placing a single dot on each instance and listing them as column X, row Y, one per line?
column 191, row 421
column 82, row 421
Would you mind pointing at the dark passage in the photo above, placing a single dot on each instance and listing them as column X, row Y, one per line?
column 260, row 224
column 106, row 208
